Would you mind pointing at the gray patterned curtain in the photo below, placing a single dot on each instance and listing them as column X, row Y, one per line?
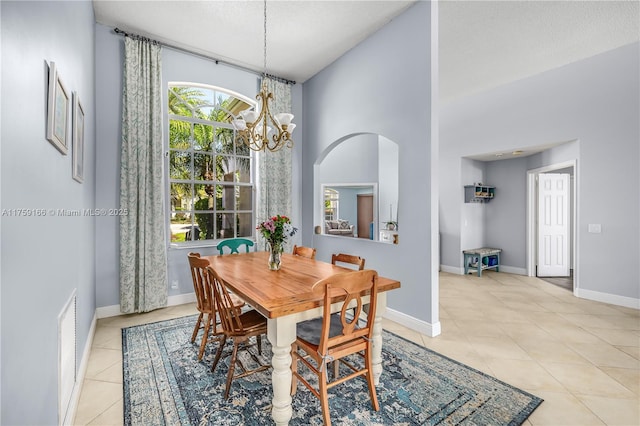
column 274, row 168
column 143, row 257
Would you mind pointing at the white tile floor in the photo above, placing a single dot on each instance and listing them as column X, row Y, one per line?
column 581, row 357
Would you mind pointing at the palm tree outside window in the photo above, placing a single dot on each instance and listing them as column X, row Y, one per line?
column 211, row 178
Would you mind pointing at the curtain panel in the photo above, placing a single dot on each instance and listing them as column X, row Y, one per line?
column 274, row 168
column 143, row 257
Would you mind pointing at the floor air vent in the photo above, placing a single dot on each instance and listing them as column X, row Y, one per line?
column 66, row 357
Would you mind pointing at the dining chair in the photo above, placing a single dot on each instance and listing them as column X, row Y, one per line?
column 234, row 244
column 238, row 325
column 204, row 302
column 304, row 251
column 334, row 337
column 342, row 259
column 347, row 259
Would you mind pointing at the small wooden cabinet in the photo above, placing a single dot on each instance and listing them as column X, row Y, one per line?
column 478, row 193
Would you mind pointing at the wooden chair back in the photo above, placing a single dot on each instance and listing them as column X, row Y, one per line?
column 308, row 252
column 228, row 312
column 340, row 334
column 348, row 259
column 204, row 301
column 201, row 287
column 354, row 335
column 234, row 245
column 239, row 326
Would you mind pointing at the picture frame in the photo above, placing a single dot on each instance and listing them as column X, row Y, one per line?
column 77, row 157
column 57, row 111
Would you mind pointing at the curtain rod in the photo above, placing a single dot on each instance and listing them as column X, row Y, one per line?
column 211, row 58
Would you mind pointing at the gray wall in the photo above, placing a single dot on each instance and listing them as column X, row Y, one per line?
column 349, row 205
column 355, row 161
column 366, row 90
column 473, row 214
column 594, row 101
column 387, row 181
column 108, row 142
column 43, row 258
column 176, row 66
column 505, row 220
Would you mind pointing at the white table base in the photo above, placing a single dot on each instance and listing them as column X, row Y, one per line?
column 281, row 332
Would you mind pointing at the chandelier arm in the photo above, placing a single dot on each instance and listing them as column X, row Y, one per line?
column 273, row 120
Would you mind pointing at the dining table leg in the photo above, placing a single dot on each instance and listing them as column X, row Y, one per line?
column 376, row 344
column 281, row 332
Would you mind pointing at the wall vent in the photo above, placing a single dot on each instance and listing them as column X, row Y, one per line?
column 67, row 363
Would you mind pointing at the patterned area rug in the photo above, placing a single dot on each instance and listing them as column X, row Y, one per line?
column 165, row 384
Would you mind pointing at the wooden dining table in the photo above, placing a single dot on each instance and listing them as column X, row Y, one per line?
column 285, row 298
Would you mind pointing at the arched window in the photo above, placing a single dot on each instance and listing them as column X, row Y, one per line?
column 211, row 178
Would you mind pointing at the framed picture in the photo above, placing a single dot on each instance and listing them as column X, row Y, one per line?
column 78, row 139
column 57, row 111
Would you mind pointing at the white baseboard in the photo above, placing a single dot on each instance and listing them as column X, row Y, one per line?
column 423, row 327
column 513, row 270
column 181, row 299
column 82, row 371
column 613, row 299
column 108, row 311
column 503, row 268
column 114, row 310
column 452, row 270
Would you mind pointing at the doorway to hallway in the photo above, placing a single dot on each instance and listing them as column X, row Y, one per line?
column 536, row 243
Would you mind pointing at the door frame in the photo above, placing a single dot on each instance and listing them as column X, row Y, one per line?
column 532, row 215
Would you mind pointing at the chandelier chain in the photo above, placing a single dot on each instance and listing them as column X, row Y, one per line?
column 265, row 39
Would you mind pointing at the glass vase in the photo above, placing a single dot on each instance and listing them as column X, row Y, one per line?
column 275, row 250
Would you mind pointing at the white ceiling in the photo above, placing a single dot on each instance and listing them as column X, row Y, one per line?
column 303, row 36
column 482, row 44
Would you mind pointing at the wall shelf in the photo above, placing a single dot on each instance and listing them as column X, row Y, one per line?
column 478, row 193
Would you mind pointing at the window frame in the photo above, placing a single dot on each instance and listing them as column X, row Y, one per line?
column 334, row 202
column 194, row 181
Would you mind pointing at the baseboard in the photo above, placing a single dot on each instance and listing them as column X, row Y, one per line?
column 503, row 268
column 451, row 270
column 108, row 311
column 513, row 270
column 181, row 299
column 423, row 327
column 82, row 371
column 613, row 299
column 114, row 310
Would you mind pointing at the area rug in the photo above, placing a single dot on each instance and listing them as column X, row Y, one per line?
column 165, row 384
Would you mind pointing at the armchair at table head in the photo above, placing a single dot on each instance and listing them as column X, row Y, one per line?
column 234, row 244
column 335, row 336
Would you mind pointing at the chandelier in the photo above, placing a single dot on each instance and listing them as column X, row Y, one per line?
column 262, row 130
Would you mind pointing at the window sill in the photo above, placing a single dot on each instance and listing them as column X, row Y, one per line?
column 197, row 245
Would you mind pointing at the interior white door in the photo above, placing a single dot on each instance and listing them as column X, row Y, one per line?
column 553, row 225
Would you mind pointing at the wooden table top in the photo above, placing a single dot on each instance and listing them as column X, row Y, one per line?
column 279, row 293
